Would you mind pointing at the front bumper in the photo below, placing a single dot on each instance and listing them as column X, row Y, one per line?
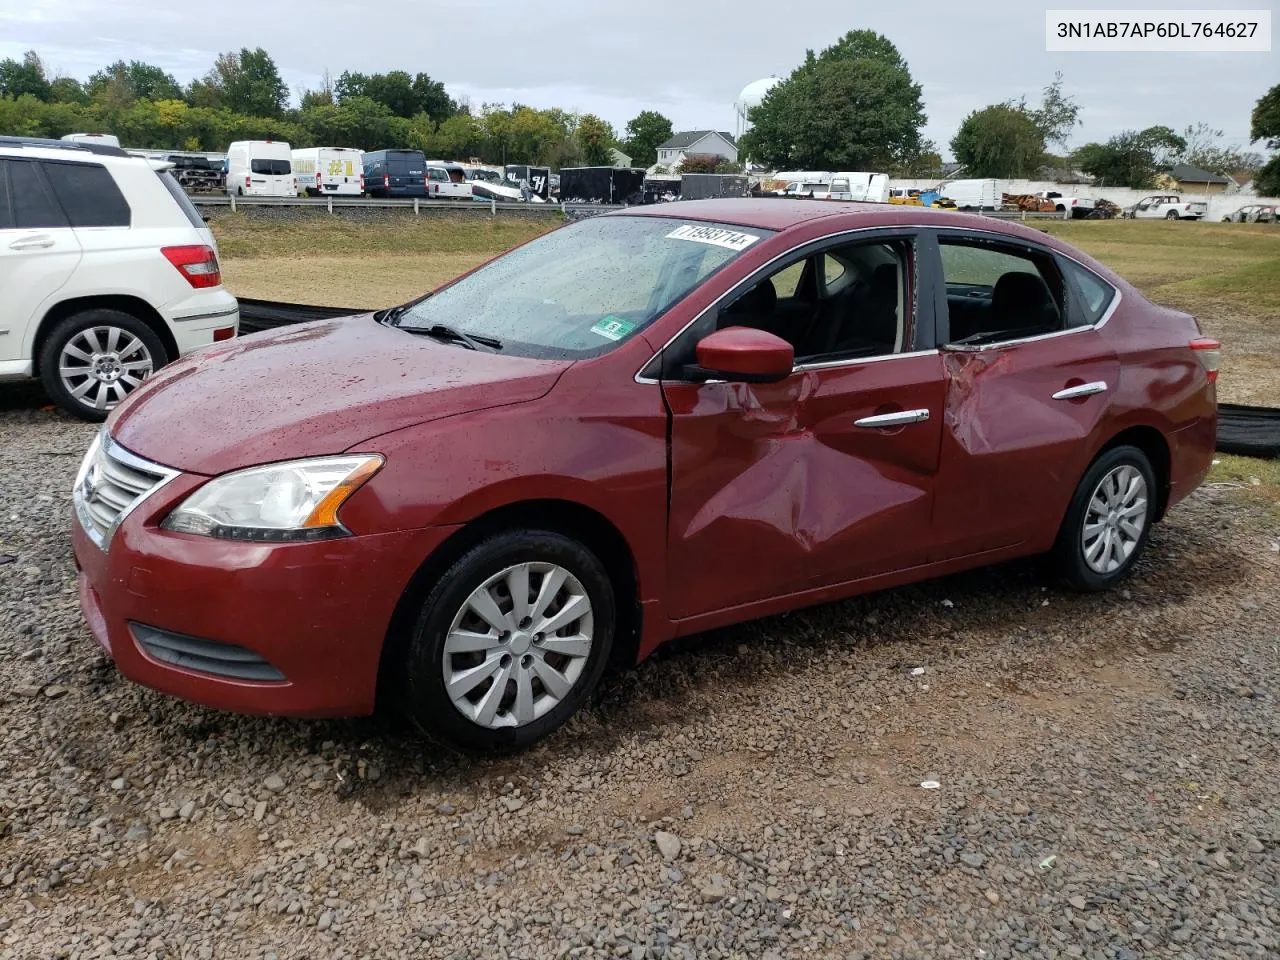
column 317, row 613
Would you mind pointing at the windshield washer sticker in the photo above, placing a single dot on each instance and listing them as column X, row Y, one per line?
column 612, row 328
column 717, row 236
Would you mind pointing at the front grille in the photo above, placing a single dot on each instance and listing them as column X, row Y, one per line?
column 112, row 483
column 204, row 656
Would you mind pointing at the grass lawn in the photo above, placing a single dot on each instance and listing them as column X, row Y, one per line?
column 1227, row 274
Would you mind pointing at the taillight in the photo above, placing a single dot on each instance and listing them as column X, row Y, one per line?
column 226, row 333
column 248, row 180
column 362, row 183
column 197, row 262
column 1208, row 351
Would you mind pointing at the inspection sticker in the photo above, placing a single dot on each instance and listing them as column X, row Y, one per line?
column 717, row 236
column 612, row 328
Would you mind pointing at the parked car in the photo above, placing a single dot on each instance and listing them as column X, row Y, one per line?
column 1080, row 207
column 440, row 186
column 1252, row 213
column 197, row 174
column 1167, row 206
column 102, row 139
column 107, row 272
column 812, row 189
column 329, row 171
column 395, row 173
column 469, row 505
column 260, row 168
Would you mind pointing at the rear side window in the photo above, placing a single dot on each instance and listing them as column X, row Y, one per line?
column 270, row 168
column 6, row 216
column 1094, row 293
column 180, row 195
column 997, row 293
column 88, row 194
column 33, row 204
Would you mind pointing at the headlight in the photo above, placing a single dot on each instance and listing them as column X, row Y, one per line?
column 90, row 456
column 292, row 501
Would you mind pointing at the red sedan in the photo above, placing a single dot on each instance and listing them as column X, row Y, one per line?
column 634, row 428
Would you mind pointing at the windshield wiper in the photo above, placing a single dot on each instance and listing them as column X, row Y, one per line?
column 391, row 315
column 441, row 332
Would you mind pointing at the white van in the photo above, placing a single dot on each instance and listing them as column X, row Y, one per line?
column 860, row 186
column 260, row 168
column 106, row 139
column 973, row 194
column 329, row 170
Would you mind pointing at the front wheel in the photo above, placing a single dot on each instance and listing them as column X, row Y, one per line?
column 1108, row 521
column 91, row 360
column 510, row 642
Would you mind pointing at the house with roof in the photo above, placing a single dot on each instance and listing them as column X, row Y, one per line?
column 1188, row 179
column 697, row 143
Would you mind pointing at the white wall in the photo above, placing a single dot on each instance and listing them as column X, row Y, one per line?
column 1219, row 204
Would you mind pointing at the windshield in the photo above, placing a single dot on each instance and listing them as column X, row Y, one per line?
column 582, row 289
column 275, row 168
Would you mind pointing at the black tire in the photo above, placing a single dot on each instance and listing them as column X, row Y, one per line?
column 1069, row 550
column 1171, row 215
column 424, row 698
column 66, row 330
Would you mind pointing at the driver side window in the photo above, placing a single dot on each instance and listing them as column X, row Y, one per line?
column 844, row 303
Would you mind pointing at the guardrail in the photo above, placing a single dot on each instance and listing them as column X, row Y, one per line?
column 417, row 204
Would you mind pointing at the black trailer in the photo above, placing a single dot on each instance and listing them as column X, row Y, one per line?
column 705, row 186
column 539, row 178
column 602, row 185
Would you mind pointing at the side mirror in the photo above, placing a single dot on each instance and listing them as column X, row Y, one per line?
column 744, row 355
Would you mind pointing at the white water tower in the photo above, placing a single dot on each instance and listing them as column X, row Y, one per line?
column 751, row 96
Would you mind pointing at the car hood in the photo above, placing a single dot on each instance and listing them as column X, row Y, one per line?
column 313, row 389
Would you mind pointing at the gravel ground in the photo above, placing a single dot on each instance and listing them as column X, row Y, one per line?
column 1107, row 778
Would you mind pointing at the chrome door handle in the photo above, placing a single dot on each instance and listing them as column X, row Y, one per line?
column 32, row 243
column 899, row 419
column 1082, row 390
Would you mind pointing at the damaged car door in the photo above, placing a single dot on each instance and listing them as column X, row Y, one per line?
column 825, row 476
column 1029, row 379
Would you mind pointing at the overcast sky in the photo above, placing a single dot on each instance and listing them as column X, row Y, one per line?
column 687, row 60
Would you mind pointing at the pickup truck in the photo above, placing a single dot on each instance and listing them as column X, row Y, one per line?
column 1080, row 207
column 1166, row 206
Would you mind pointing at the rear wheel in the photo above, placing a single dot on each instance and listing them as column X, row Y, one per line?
column 510, row 642
column 1171, row 215
column 1109, row 520
column 93, row 359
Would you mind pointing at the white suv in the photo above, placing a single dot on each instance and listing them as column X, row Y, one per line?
column 107, row 272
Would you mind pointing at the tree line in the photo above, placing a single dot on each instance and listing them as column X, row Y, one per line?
column 1013, row 140
column 243, row 97
column 852, row 106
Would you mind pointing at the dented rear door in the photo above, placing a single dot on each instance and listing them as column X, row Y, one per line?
column 1019, row 422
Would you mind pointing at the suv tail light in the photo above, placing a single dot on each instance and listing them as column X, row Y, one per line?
column 1208, row 351
column 386, row 179
column 197, row 263
column 248, row 180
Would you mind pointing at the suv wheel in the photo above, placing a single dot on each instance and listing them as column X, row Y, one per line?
column 93, row 359
column 1109, row 520
column 510, row 642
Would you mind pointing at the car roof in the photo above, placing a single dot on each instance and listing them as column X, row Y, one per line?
column 63, row 148
column 779, row 214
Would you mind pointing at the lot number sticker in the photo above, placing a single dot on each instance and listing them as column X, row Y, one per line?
column 613, row 328
column 716, row 236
